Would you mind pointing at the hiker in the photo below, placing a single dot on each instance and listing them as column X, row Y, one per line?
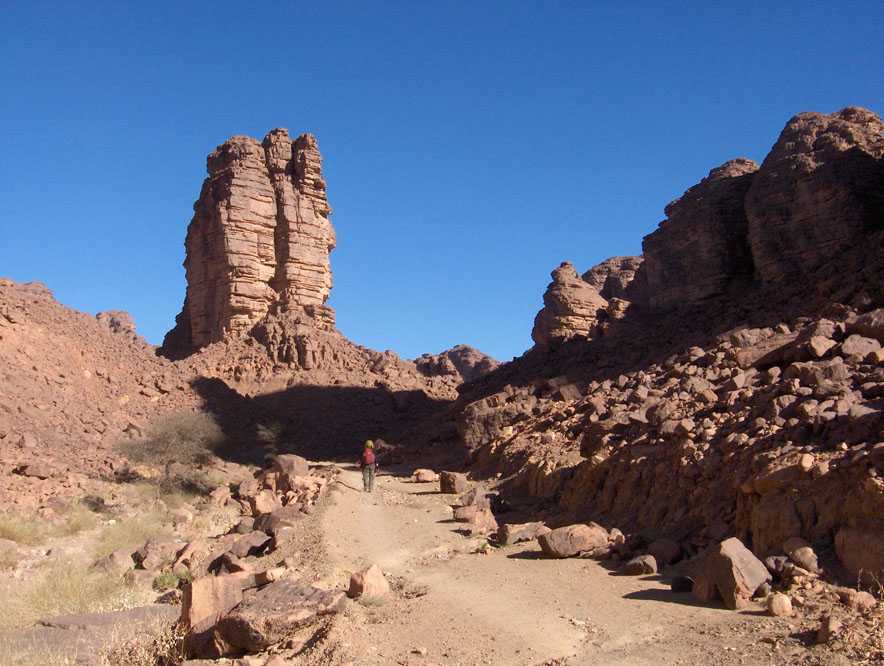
column 369, row 466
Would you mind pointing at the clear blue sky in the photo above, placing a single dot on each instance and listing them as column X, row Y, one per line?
column 469, row 146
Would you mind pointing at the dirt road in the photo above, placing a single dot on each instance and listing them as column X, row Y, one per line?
column 508, row 606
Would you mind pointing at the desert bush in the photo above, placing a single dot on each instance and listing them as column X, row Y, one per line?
column 186, row 438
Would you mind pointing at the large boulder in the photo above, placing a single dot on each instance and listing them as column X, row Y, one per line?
column 453, row 483
column 269, row 615
column 731, row 572
column 510, row 533
column 573, row 540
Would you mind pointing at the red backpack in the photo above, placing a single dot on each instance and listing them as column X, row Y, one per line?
column 368, row 457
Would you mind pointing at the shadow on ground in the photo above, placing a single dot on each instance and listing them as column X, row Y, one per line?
column 320, row 422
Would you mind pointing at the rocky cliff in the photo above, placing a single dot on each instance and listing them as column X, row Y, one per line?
column 817, row 193
column 812, row 204
column 739, row 389
column 260, row 239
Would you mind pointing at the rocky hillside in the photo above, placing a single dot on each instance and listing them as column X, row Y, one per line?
column 728, row 382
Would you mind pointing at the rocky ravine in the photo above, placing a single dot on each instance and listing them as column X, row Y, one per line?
column 710, row 412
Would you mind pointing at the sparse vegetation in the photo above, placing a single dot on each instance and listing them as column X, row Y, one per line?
column 169, row 580
column 131, row 532
column 183, row 438
column 157, row 643
column 64, row 587
column 32, row 529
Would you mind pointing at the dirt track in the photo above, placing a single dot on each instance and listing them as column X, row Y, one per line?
column 509, row 606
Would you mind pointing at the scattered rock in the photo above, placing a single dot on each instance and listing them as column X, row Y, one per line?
column 369, row 583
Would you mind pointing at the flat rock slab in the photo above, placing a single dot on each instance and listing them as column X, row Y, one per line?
column 270, row 614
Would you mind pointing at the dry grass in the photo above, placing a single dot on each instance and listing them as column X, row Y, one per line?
column 33, row 530
column 64, row 587
column 156, row 643
column 131, row 532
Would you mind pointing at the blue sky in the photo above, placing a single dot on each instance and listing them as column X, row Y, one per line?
column 469, row 146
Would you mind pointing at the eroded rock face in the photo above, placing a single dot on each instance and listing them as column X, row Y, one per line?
column 613, row 278
column 461, row 360
column 260, row 238
column 571, row 308
column 817, row 192
column 701, row 247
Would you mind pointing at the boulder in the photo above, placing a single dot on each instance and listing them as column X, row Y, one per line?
column 253, row 543
column 511, row 533
column 483, row 523
column 639, row 566
column 116, row 563
column 370, row 583
column 288, row 466
column 779, row 605
column 665, row 551
column 424, row 476
column 205, row 601
column 734, row 573
column 859, row 347
column 453, row 483
column 265, row 501
column 573, row 540
column 800, row 552
column 869, row 325
column 286, row 516
column 269, row 615
column 157, row 553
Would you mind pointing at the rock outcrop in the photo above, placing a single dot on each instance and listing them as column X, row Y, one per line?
column 702, row 247
column 614, row 277
column 571, row 308
column 259, row 240
column 461, row 361
column 818, row 192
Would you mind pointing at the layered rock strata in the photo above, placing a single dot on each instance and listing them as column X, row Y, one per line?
column 260, row 238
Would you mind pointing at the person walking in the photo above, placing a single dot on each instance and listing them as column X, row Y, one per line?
column 369, row 465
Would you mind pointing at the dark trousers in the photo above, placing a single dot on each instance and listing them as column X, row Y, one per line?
column 368, row 478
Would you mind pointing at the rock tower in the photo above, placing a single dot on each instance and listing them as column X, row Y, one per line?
column 259, row 241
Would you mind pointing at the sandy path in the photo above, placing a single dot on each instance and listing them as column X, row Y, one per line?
column 509, row 607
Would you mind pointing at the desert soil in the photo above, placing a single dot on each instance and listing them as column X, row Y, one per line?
column 509, row 606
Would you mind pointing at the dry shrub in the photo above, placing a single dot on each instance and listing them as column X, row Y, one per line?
column 157, row 644
column 188, row 438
